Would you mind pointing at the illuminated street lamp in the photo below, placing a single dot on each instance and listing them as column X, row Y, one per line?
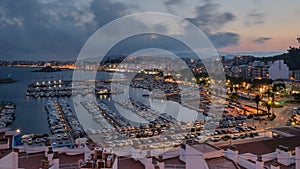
column 269, row 103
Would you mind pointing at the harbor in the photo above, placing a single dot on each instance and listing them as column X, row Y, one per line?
column 63, row 122
column 7, row 113
column 64, row 88
column 144, row 124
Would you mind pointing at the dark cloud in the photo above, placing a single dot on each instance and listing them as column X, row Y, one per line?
column 210, row 19
column 169, row 4
column 35, row 29
column 224, row 39
column 255, row 17
column 106, row 11
column 173, row 2
column 146, row 41
column 43, row 29
column 261, row 40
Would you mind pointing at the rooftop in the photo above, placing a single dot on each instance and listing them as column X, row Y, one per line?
column 267, row 146
column 4, row 152
column 129, row 163
column 289, row 130
column 174, row 160
column 205, row 148
column 280, row 165
column 68, row 159
column 31, row 161
column 220, row 163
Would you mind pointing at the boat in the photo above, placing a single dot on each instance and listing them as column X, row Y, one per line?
column 8, row 80
column 65, row 136
column 2, row 124
column 145, row 95
column 29, row 141
column 37, row 140
column 59, row 137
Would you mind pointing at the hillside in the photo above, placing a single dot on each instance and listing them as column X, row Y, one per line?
column 292, row 58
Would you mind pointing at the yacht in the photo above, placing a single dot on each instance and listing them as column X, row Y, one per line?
column 65, row 136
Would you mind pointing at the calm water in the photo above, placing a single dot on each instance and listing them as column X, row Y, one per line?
column 31, row 116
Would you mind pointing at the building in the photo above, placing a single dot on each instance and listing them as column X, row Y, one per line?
column 257, row 72
column 274, row 153
column 295, row 74
column 270, row 153
column 278, row 70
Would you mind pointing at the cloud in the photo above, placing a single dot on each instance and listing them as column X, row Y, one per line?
column 170, row 3
column 173, row 2
column 106, row 11
column 224, row 39
column 42, row 29
column 254, row 18
column 261, row 40
column 209, row 18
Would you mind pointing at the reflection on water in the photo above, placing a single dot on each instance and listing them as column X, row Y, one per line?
column 31, row 116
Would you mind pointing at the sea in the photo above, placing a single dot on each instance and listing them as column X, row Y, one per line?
column 30, row 113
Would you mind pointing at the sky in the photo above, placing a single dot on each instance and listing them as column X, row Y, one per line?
column 57, row 30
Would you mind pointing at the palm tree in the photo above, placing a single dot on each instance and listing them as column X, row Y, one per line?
column 233, row 97
column 257, row 100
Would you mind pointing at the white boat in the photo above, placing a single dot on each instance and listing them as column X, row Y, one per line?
column 58, row 137
column 65, row 136
column 37, row 140
column 29, row 141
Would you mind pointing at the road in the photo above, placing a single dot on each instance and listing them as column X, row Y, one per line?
column 282, row 115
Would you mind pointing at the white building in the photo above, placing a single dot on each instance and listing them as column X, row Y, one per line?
column 279, row 70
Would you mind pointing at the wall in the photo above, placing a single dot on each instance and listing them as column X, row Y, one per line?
column 279, row 70
column 195, row 160
column 9, row 161
column 245, row 163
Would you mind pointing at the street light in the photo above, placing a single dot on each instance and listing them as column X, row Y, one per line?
column 269, row 103
column 18, row 131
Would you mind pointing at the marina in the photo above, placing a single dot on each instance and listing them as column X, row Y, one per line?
column 7, row 113
column 158, row 128
column 62, row 121
column 64, row 88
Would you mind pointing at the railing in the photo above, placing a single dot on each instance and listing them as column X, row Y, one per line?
column 69, row 166
column 174, row 166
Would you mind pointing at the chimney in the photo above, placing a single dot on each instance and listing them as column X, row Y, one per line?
column 149, row 164
column 50, row 155
column 283, row 155
column 55, row 160
column 297, row 156
column 16, row 158
column 259, row 163
column 160, row 162
column 109, row 161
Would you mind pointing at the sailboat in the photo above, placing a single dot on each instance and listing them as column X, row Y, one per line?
column 8, row 79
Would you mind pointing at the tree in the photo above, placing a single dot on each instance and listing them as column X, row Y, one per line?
column 233, row 97
column 257, row 100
